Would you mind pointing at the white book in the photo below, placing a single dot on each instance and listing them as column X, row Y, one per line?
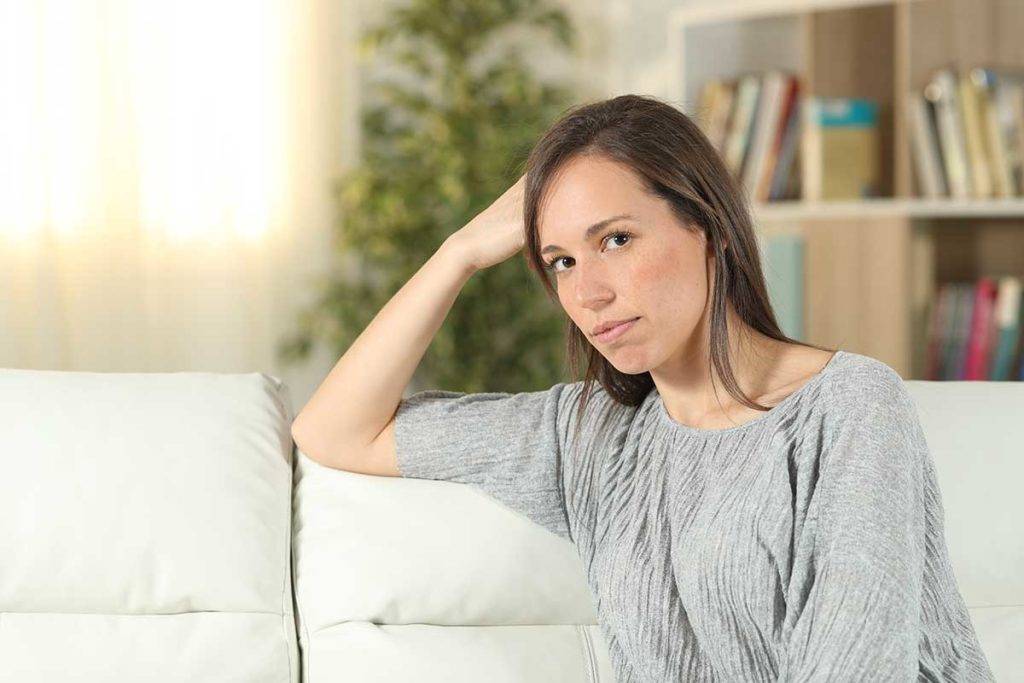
column 1000, row 136
column 926, row 148
column 974, row 131
column 765, row 130
column 739, row 128
column 1010, row 103
column 942, row 92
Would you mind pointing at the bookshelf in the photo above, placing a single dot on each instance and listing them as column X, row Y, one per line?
column 872, row 266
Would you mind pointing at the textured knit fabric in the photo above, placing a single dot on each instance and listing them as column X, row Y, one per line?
column 805, row 545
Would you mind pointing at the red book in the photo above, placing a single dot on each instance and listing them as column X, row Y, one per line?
column 980, row 342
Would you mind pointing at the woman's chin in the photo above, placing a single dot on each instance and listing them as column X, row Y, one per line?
column 627, row 362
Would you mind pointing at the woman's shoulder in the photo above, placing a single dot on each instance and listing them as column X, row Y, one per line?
column 860, row 382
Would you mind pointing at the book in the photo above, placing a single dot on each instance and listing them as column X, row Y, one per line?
column 783, row 258
column 840, row 148
column 713, row 111
column 941, row 91
column 959, row 329
column 937, row 337
column 774, row 85
column 975, row 134
column 781, row 127
column 980, row 333
column 740, row 123
column 987, row 91
column 786, row 165
column 931, row 177
column 1008, row 322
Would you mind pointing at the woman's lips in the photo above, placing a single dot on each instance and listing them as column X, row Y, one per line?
column 616, row 332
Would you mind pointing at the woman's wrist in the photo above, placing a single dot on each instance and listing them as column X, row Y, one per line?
column 452, row 252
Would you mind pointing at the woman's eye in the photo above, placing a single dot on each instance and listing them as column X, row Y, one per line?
column 553, row 266
column 620, row 234
column 554, row 262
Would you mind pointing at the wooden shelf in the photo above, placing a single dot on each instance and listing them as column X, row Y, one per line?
column 909, row 208
column 735, row 10
column 873, row 265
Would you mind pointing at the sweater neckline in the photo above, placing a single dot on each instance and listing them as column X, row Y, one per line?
column 774, row 412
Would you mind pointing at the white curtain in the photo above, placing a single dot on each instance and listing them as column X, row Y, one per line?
column 165, row 178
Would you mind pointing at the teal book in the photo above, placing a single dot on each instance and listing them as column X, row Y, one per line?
column 1008, row 312
column 962, row 334
column 955, row 332
column 783, row 259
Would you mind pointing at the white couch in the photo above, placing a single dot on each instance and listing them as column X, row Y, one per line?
column 153, row 526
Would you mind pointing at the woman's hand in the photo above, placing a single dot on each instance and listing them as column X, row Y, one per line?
column 496, row 233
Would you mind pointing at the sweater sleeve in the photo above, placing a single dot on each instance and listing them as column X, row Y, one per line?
column 858, row 614
column 507, row 445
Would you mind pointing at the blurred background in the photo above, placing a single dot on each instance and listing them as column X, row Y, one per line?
column 240, row 186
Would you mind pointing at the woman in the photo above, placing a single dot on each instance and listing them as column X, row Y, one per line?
column 790, row 528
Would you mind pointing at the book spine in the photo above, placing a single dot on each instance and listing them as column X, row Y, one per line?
column 980, row 326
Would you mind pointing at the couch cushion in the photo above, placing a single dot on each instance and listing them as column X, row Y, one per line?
column 975, row 432
column 144, row 527
column 404, row 579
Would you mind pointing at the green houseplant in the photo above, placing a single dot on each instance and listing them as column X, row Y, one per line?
column 436, row 152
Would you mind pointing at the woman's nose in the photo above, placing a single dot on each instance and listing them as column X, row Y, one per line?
column 591, row 287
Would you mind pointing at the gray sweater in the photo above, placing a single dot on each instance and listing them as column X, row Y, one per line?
column 807, row 544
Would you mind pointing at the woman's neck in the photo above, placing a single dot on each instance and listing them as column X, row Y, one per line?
column 693, row 392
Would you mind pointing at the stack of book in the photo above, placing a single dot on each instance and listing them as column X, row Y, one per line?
column 967, row 133
column 974, row 331
column 753, row 122
column 783, row 143
column 974, row 328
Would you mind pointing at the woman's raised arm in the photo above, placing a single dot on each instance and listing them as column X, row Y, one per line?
column 340, row 424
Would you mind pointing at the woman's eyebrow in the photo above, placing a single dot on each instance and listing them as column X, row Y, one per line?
column 592, row 229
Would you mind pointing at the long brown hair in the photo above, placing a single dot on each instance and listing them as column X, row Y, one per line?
column 675, row 162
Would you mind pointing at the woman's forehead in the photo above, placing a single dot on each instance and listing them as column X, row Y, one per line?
column 584, row 195
column 589, row 179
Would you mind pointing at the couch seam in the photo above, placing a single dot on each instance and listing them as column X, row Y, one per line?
column 284, row 586
column 288, row 556
column 284, row 589
column 149, row 614
column 277, row 393
column 290, row 461
column 427, row 623
column 305, row 657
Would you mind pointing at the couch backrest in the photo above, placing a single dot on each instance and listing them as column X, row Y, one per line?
column 430, row 581
column 144, row 527
column 975, row 433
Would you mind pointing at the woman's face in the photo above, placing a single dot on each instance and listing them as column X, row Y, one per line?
column 655, row 272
